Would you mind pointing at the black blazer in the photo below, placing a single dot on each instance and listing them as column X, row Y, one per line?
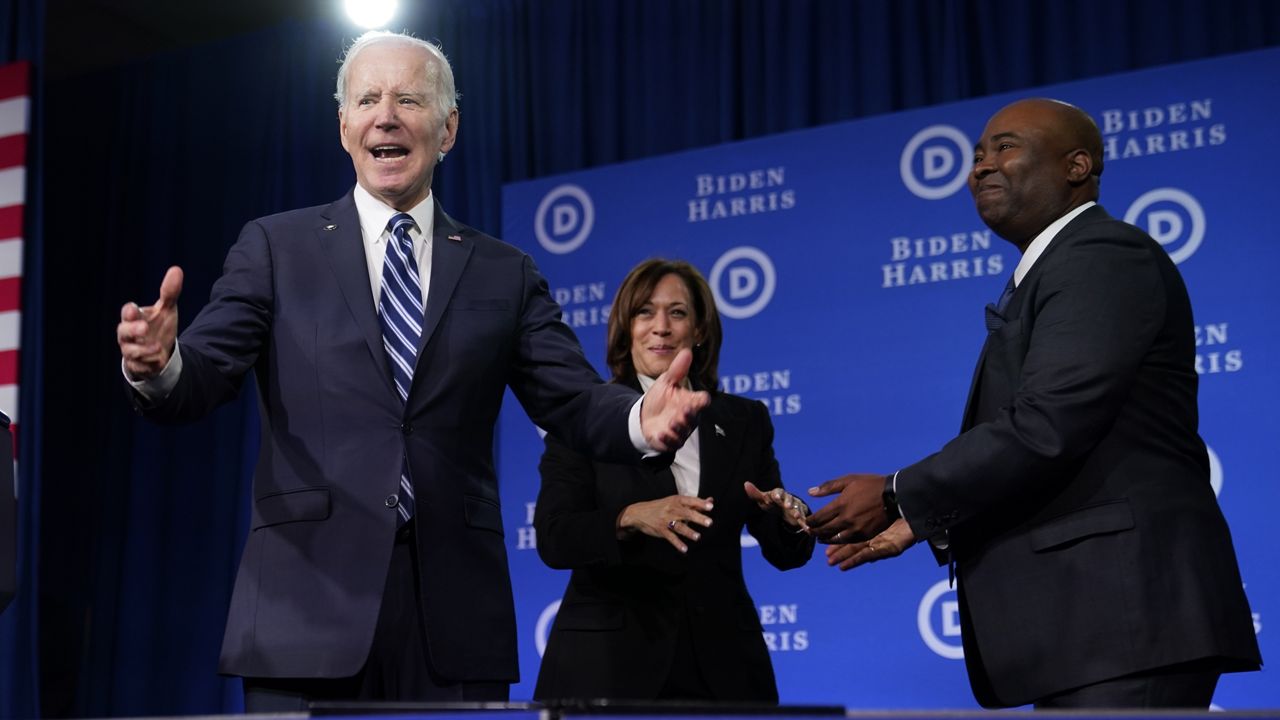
column 616, row 630
column 294, row 308
column 1087, row 540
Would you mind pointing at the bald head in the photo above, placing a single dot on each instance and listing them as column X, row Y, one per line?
column 1037, row 160
column 1073, row 127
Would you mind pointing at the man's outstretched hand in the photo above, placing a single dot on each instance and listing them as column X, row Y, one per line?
column 857, row 514
column 669, row 411
column 146, row 335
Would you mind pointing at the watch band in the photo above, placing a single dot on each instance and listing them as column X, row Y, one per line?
column 890, row 499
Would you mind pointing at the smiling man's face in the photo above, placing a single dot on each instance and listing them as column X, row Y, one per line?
column 391, row 125
column 1032, row 165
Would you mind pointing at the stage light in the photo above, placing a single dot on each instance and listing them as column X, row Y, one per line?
column 370, row 14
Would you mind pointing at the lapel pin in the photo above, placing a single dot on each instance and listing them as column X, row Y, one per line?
column 330, row 227
column 719, row 431
column 456, row 238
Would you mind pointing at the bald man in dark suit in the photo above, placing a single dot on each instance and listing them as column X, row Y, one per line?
column 1093, row 565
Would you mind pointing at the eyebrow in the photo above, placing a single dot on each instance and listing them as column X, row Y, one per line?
column 379, row 92
column 998, row 136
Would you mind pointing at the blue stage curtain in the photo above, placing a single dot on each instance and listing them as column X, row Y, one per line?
column 161, row 162
column 22, row 38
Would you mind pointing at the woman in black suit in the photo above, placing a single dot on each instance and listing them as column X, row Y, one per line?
column 656, row 607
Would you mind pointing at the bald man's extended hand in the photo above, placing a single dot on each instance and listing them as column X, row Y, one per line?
column 146, row 335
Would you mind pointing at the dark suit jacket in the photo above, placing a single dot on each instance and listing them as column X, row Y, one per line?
column 294, row 307
column 615, row 634
column 1087, row 540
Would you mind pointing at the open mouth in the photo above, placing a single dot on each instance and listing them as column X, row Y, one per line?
column 389, row 152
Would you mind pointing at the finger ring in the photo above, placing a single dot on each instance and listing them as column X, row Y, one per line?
column 871, row 547
column 837, row 535
column 671, row 525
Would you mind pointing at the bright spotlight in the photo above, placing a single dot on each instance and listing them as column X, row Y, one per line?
column 370, row 14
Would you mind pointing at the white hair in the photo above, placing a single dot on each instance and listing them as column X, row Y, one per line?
column 439, row 74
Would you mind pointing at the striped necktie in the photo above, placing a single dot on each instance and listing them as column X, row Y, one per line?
column 995, row 312
column 400, row 313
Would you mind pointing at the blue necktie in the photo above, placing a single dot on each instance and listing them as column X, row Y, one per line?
column 400, row 313
column 995, row 312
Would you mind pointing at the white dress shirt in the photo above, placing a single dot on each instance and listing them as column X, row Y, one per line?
column 374, row 217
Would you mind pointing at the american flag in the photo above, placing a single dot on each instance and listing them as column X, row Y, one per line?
column 14, row 114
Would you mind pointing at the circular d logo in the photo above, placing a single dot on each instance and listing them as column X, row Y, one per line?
column 1215, row 471
column 542, row 631
column 936, row 162
column 938, row 618
column 564, row 219
column 1172, row 217
column 743, row 281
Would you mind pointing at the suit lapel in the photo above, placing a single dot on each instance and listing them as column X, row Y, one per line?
column 1066, row 236
column 970, row 403
column 1014, row 308
column 719, row 441
column 450, row 249
column 343, row 244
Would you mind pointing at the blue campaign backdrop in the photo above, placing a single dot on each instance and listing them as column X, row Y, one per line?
column 852, row 270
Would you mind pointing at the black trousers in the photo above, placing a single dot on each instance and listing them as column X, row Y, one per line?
column 398, row 667
column 1187, row 686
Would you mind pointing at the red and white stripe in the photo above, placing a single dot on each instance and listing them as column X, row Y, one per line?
column 14, row 113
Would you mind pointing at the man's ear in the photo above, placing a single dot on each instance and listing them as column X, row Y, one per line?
column 1079, row 165
column 342, row 130
column 450, row 134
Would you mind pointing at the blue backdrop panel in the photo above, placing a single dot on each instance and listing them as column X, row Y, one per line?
column 852, row 271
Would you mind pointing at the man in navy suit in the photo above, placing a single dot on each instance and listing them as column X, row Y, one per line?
column 1093, row 564
column 355, row 585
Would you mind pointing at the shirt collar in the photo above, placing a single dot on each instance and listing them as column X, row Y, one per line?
column 375, row 214
column 645, row 381
column 1037, row 246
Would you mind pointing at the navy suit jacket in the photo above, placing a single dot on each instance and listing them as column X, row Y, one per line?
column 294, row 307
column 1087, row 540
column 615, row 635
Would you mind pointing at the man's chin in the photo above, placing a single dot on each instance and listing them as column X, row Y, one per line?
column 992, row 217
column 398, row 195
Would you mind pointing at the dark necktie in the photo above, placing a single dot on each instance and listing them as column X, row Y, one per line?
column 400, row 313
column 995, row 312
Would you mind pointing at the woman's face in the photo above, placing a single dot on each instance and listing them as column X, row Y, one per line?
column 662, row 327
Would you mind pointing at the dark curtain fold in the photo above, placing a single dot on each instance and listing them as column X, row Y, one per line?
column 161, row 163
column 22, row 38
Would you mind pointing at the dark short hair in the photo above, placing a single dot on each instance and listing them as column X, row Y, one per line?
column 635, row 291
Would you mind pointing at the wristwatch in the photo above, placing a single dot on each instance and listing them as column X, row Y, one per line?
column 890, row 499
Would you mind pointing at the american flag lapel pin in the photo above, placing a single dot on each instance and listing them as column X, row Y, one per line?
column 456, row 238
